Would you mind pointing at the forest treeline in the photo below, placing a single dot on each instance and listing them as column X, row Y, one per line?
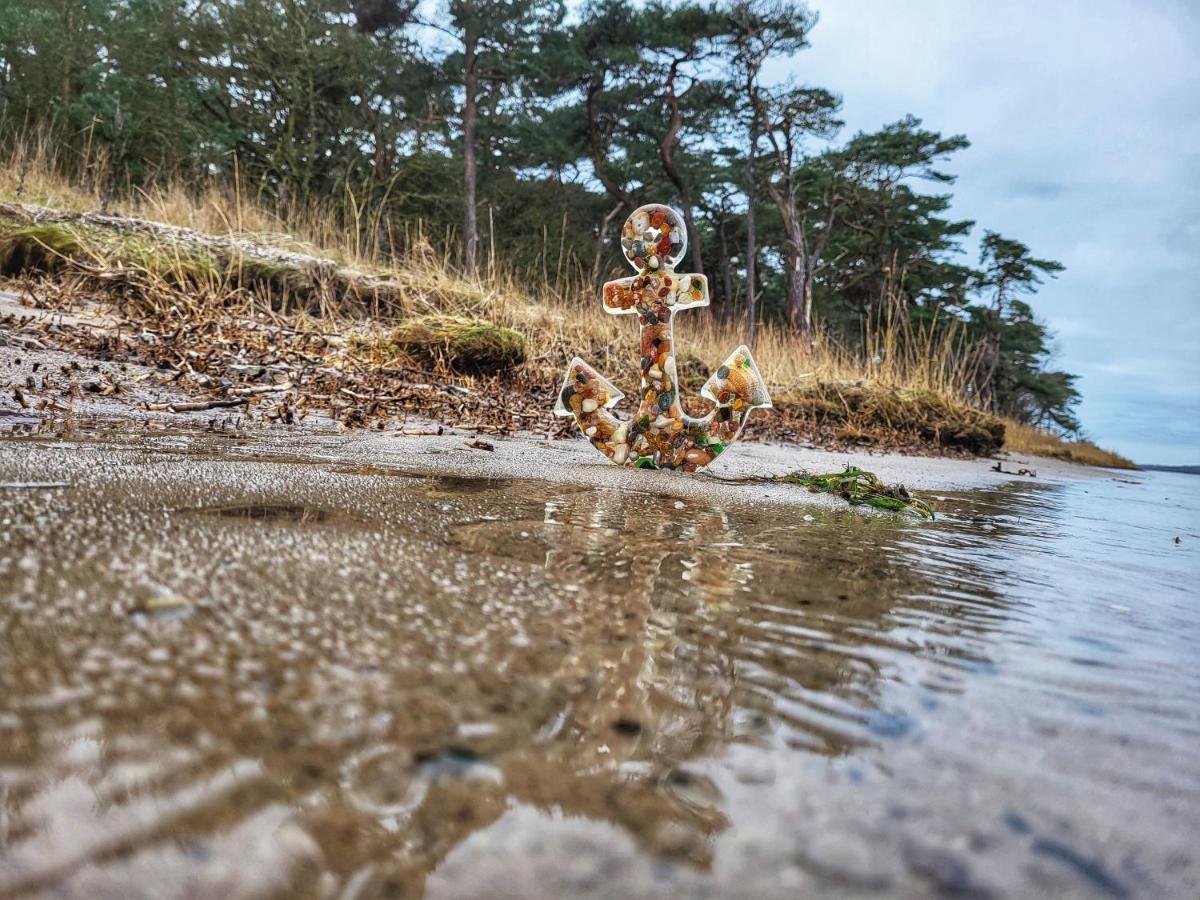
column 513, row 130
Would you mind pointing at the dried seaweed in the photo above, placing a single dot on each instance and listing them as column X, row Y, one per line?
column 860, row 488
column 854, row 485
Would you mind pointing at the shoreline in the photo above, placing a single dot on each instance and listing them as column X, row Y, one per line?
column 142, row 402
column 420, row 452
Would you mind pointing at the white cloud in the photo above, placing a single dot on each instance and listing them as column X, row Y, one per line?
column 1084, row 119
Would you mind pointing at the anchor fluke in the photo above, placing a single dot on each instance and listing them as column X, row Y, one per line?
column 737, row 383
column 583, row 384
column 588, row 396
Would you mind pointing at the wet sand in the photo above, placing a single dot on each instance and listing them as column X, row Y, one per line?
column 381, row 666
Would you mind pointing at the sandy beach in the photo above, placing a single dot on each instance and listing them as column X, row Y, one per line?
column 416, row 447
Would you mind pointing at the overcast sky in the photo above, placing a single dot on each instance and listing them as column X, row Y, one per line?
column 1084, row 122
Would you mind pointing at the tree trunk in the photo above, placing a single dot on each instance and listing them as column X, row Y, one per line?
column 808, row 298
column 614, row 189
column 68, row 58
column 799, row 276
column 795, row 292
column 665, row 150
column 726, row 308
column 751, row 249
column 601, row 234
column 692, row 234
column 471, row 83
column 987, row 385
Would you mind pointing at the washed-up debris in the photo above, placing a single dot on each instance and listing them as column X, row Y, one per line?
column 859, row 488
column 856, row 487
column 999, row 467
column 195, row 406
column 280, row 373
column 480, row 445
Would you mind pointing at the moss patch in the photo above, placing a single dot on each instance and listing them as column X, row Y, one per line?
column 33, row 249
column 468, row 345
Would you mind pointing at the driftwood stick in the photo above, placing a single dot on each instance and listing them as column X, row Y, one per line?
column 262, row 389
column 196, row 406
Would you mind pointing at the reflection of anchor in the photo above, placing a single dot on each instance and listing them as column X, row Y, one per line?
column 660, row 435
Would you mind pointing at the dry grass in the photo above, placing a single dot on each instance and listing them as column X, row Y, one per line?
column 560, row 314
column 906, row 392
column 1036, row 442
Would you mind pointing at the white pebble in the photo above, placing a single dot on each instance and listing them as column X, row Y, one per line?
column 620, row 451
column 652, row 262
column 589, row 405
column 590, row 430
column 655, row 372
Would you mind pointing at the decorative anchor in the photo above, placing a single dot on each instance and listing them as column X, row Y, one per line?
column 660, row 435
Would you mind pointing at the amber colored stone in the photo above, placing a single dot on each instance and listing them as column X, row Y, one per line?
column 740, row 383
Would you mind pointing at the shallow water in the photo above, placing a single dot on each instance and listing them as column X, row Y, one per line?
column 237, row 670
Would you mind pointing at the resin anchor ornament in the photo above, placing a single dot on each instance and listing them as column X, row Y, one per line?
column 660, row 435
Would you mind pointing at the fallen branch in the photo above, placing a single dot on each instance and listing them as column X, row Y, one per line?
column 196, row 406
column 262, row 389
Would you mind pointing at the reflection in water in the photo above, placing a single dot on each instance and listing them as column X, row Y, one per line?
column 382, row 678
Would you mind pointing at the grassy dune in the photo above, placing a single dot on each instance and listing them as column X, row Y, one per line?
column 1023, row 439
column 209, row 253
